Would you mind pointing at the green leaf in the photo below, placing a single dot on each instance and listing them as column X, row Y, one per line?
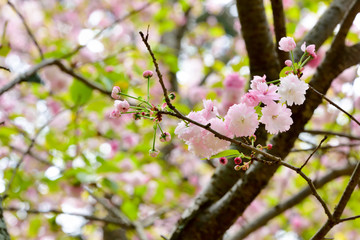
column 225, row 153
column 34, row 227
column 285, row 69
column 35, row 78
column 80, row 93
column 130, row 208
column 4, row 50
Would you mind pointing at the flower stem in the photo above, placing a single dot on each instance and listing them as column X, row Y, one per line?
column 126, row 95
column 155, row 128
column 148, row 89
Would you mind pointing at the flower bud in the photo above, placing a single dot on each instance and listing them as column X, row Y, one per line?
column 172, row 96
column 153, row 152
column 148, row 74
column 237, row 160
column 165, row 137
column 223, row 160
column 288, row 63
column 115, row 92
column 237, row 167
column 269, row 146
column 115, row 114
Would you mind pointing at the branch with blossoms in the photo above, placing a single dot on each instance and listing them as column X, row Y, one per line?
column 208, row 134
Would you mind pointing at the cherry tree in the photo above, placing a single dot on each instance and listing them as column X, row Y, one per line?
column 179, row 119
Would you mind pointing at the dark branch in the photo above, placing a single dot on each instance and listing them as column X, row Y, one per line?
column 307, row 160
column 280, row 28
column 351, row 137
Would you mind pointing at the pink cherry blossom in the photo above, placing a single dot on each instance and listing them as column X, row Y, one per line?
column 250, row 99
column 209, row 111
column 234, row 81
column 256, row 81
column 287, row 44
column 292, row 90
column 115, row 114
column 186, row 132
column 122, row 106
column 241, row 120
column 276, row 117
column 206, row 144
column 266, row 93
column 115, row 92
column 309, row 49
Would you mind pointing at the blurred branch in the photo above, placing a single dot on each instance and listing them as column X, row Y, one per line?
column 327, row 147
column 280, row 28
column 292, row 201
column 44, row 161
column 307, row 160
column 320, row 132
column 5, row 68
column 55, row 211
column 119, row 215
column 28, row 30
column 335, row 105
column 117, row 21
column 24, row 76
column 335, row 217
column 324, row 28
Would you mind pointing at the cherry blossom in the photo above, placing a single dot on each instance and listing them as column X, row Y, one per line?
column 241, row 120
column 287, row 44
column 292, row 90
column 276, row 117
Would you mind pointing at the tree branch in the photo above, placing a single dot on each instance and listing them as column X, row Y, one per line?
column 321, row 132
column 280, row 28
column 307, row 160
column 28, row 30
column 331, row 222
column 292, row 201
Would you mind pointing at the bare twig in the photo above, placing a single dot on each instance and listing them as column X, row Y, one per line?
column 290, row 202
column 335, row 105
column 335, row 219
column 328, row 147
column 24, row 76
column 28, row 150
column 307, row 160
column 55, row 211
column 117, row 21
column 5, row 68
column 349, row 219
column 27, row 29
column 280, row 28
column 351, row 137
column 306, row 178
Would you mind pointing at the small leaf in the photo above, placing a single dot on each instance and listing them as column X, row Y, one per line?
column 80, row 93
column 285, row 69
column 225, row 153
column 4, row 50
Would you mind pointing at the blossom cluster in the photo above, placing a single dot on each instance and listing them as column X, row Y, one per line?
column 265, row 103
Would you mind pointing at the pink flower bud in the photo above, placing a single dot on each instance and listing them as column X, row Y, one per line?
column 223, row 160
column 288, row 63
column 245, row 167
column 237, row 167
column 287, row 44
column 115, row 92
column 115, row 114
column 165, row 137
column 237, row 160
column 269, row 146
column 311, row 50
column 122, row 106
column 109, row 68
column 153, row 153
column 148, row 74
column 172, row 96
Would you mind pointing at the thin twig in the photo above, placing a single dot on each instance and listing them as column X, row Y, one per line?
column 55, row 211
column 332, row 133
column 307, row 160
column 5, row 68
column 27, row 29
column 117, row 21
column 335, row 219
column 335, row 105
column 328, row 147
column 349, row 218
column 306, row 178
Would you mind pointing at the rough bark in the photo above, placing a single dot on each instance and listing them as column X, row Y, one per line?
column 216, row 202
column 4, row 235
